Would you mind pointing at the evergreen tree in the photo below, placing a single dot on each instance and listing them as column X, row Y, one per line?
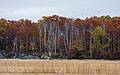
column 100, row 41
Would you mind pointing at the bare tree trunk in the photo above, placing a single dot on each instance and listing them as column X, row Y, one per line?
column 91, row 55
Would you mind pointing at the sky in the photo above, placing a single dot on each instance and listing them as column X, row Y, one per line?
column 35, row 9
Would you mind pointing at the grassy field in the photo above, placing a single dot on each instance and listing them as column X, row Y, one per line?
column 58, row 67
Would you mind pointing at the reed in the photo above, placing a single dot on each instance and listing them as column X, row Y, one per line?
column 58, row 67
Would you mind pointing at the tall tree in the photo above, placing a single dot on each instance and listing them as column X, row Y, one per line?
column 100, row 40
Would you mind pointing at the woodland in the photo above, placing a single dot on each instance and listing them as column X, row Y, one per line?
column 57, row 37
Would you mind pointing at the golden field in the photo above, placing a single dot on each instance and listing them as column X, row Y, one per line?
column 58, row 67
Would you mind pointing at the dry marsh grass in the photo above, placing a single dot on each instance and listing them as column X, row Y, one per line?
column 58, row 67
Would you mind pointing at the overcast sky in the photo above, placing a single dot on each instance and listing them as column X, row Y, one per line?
column 35, row 9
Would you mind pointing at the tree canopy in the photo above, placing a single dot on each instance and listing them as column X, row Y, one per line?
column 61, row 37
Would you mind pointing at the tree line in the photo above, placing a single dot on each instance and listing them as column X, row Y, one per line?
column 62, row 37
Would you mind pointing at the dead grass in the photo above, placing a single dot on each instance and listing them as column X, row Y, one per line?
column 58, row 67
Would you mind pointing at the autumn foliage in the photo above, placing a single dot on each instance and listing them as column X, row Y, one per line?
column 61, row 37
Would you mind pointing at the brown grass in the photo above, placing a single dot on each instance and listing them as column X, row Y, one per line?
column 58, row 67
